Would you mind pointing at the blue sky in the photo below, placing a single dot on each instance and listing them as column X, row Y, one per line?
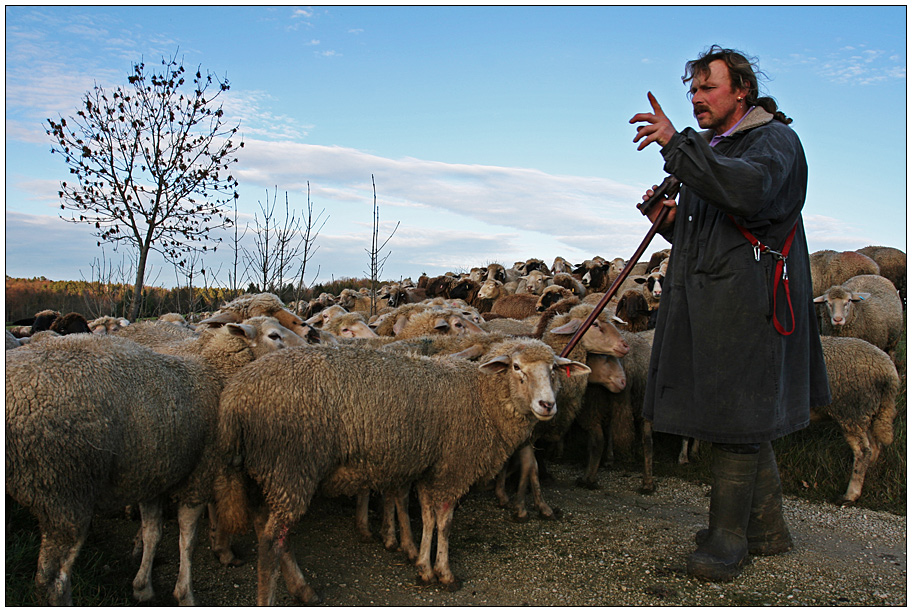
column 492, row 133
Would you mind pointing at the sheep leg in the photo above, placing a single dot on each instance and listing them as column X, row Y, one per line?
column 861, row 449
column 526, row 458
column 361, row 518
column 273, row 548
column 406, row 539
column 683, row 458
column 388, row 526
column 428, row 526
column 442, row 563
column 269, row 548
column 500, row 486
column 59, row 548
column 544, row 510
column 151, row 515
column 595, row 446
column 187, row 520
column 648, row 485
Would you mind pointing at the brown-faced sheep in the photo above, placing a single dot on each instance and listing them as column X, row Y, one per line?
column 349, row 325
column 633, row 309
column 174, row 318
column 98, row 421
column 829, row 268
column 568, row 281
column 325, row 401
column 619, row 413
column 863, row 384
column 865, row 307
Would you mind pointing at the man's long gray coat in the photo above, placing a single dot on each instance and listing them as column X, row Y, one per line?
column 719, row 370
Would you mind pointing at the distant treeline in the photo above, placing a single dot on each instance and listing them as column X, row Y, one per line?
column 27, row 296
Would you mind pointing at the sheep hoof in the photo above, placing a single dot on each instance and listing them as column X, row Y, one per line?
column 555, row 514
column 453, row 586
column 592, row 485
column 647, row 490
column 516, row 517
column 844, row 502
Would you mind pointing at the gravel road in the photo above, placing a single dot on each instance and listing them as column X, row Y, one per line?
column 611, row 547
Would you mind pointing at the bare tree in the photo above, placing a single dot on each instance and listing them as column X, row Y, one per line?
column 276, row 245
column 309, row 247
column 151, row 163
column 377, row 260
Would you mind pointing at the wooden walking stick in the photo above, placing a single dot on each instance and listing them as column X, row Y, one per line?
column 667, row 190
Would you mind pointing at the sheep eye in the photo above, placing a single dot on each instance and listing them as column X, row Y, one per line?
column 516, row 367
column 275, row 336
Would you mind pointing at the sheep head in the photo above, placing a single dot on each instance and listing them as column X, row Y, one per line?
column 840, row 304
column 533, row 372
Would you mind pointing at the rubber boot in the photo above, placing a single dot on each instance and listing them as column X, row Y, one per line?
column 767, row 532
column 720, row 557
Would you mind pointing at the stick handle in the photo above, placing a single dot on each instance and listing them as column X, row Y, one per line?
column 660, row 219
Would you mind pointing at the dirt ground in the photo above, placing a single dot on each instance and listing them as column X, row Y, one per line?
column 611, row 547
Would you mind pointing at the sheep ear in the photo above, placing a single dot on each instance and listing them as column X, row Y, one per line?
column 441, row 324
column 220, row 319
column 820, row 299
column 473, row 352
column 399, row 325
column 314, row 319
column 241, row 329
column 572, row 368
column 496, row 365
column 567, row 328
column 618, row 319
column 858, row 297
column 639, row 279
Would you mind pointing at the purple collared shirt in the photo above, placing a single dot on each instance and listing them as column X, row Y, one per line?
column 718, row 137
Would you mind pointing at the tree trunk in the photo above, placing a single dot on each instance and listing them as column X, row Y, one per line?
column 138, row 287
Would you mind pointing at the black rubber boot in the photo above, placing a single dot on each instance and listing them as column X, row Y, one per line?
column 767, row 532
column 720, row 557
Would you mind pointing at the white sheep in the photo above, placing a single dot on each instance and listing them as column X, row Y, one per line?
column 866, row 307
column 600, row 338
column 107, row 324
column 326, row 401
column 863, row 384
column 99, row 421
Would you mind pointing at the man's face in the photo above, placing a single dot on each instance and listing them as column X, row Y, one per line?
column 715, row 102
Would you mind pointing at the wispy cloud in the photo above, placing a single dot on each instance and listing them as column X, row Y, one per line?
column 860, row 65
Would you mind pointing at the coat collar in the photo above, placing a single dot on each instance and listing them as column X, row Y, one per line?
column 756, row 117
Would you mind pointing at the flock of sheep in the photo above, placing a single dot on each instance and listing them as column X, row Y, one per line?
column 456, row 381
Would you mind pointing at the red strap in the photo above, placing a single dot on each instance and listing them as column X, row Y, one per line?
column 781, row 272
